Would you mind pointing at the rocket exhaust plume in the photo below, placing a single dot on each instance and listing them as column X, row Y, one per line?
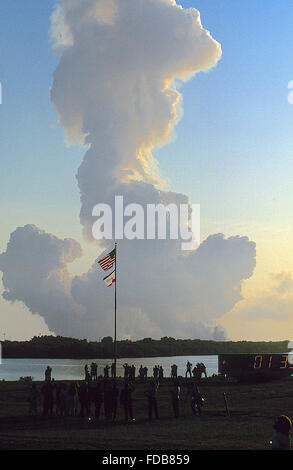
column 115, row 90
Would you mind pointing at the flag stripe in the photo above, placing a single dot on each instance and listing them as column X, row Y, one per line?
column 109, row 260
column 106, row 264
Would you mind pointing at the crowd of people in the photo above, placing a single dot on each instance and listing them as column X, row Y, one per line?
column 97, row 395
column 103, row 394
column 91, row 373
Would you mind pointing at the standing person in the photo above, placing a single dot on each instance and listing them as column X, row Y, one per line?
column 57, row 398
column 72, row 399
column 114, row 399
column 196, row 373
column 108, row 400
column 98, row 395
column 203, row 369
column 113, row 370
column 33, row 400
column 96, row 371
column 188, row 369
column 90, row 386
column 175, row 397
column 48, row 372
column 126, row 370
column 197, row 400
column 151, row 394
column 86, row 373
column 161, row 372
column 63, row 400
column 106, row 371
column 133, row 369
column 83, row 396
column 126, row 400
column 281, row 439
column 174, row 371
column 199, row 370
column 141, row 372
column 93, row 371
column 47, row 391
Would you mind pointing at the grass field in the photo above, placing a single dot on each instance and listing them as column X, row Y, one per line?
column 253, row 408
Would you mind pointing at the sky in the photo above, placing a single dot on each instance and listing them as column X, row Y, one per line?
column 231, row 152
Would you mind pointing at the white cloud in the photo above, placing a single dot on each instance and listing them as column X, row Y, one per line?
column 158, row 294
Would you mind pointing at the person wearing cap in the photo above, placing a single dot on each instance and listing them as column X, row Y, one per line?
column 281, row 438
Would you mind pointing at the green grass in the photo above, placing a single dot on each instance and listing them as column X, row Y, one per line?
column 253, row 408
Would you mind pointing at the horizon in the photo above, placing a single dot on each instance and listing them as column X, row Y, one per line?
column 99, row 340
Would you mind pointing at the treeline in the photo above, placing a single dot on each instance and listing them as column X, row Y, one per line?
column 55, row 347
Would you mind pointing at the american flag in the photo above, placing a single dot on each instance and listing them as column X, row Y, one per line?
column 109, row 260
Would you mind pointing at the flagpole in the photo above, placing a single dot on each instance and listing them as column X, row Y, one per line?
column 115, row 335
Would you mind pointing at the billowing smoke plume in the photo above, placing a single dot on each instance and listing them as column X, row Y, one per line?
column 158, row 295
column 171, row 295
column 115, row 91
column 35, row 272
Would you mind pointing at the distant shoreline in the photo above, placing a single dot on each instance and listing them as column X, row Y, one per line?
column 58, row 347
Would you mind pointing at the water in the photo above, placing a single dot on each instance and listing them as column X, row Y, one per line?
column 73, row 369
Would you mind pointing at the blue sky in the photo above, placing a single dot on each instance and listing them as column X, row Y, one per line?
column 39, row 170
column 235, row 139
column 233, row 148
